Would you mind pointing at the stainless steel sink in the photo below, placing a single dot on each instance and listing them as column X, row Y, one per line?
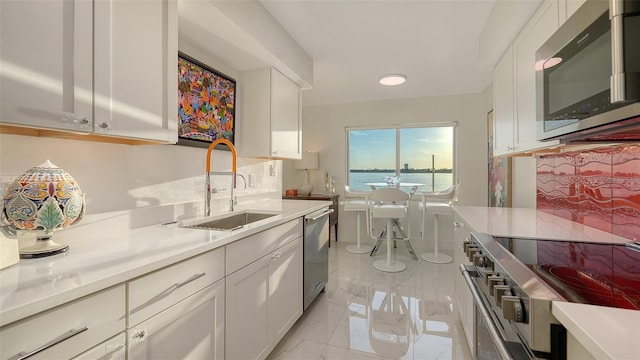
column 231, row 222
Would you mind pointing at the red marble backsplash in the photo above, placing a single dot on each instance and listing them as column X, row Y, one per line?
column 598, row 188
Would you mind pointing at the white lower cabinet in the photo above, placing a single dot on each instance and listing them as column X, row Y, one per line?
column 264, row 300
column 112, row 349
column 463, row 297
column 68, row 330
column 178, row 312
column 190, row 329
column 187, row 310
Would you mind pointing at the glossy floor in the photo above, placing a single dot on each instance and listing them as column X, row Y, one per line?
column 368, row 314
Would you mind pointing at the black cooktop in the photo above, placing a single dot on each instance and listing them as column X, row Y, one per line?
column 589, row 273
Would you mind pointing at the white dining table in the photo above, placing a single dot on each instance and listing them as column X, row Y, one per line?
column 413, row 186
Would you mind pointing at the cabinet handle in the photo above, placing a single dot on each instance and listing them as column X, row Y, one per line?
column 84, row 121
column 67, row 335
column 457, row 224
column 617, row 91
column 105, row 126
column 140, row 335
column 276, row 256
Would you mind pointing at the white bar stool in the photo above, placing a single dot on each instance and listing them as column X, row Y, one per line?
column 440, row 205
column 391, row 204
column 356, row 201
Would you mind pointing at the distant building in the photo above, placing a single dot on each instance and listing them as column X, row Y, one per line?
column 406, row 166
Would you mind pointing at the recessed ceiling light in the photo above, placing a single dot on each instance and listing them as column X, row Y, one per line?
column 393, row 79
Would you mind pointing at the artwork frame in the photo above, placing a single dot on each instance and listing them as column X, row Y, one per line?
column 206, row 104
column 498, row 171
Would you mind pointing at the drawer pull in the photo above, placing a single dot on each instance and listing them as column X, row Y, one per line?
column 67, row 335
column 167, row 292
column 276, row 256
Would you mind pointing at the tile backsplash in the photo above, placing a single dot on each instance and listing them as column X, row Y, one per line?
column 598, row 188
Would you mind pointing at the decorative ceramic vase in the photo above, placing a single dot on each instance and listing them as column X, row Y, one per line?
column 41, row 200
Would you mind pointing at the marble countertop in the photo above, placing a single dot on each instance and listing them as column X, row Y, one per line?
column 531, row 224
column 605, row 332
column 104, row 251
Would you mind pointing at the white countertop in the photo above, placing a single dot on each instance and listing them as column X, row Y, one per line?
column 606, row 332
column 104, row 252
column 531, row 224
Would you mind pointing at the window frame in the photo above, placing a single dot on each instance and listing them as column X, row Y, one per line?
column 397, row 128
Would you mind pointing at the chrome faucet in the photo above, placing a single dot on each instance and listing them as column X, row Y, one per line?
column 207, row 182
column 235, row 199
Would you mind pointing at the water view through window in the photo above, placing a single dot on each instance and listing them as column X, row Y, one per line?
column 416, row 154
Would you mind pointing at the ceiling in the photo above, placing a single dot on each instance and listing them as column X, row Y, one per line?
column 354, row 42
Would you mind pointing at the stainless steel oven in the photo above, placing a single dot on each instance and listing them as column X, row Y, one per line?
column 513, row 306
column 514, row 282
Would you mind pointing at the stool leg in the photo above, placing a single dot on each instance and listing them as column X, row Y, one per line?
column 389, row 265
column 435, row 257
column 358, row 248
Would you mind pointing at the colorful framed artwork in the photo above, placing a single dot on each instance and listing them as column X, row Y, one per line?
column 206, row 103
column 499, row 172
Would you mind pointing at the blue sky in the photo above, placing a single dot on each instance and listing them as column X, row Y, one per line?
column 376, row 148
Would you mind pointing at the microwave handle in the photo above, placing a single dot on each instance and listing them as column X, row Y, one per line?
column 616, row 10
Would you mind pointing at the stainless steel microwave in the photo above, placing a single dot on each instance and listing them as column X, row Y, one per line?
column 588, row 75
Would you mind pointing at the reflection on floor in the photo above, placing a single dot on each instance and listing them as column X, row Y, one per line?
column 368, row 314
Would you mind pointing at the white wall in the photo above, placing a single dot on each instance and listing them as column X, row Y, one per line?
column 122, row 177
column 324, row 132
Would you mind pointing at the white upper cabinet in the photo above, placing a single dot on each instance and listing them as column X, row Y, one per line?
column 503, row 111
column 541, row 26
column 271, row 125
column 514, row 86
column 46, row 64
column 567, row 8
column 107, row 67
column 136, row 63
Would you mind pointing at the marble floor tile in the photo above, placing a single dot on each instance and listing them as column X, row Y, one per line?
column 368, row 314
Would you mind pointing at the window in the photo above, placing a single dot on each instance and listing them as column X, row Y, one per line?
column 416, row 154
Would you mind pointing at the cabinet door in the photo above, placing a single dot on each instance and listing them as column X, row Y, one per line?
column 464, row 299
column 567, row 8
column 247, row 313
column 286, row 122
column 285, row 282
column 190, row 329
column 136, row 69
column 541, row 26
column 46, row 64
column 503, row 108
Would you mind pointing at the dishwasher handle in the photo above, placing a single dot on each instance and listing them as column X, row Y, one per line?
column 315, row 216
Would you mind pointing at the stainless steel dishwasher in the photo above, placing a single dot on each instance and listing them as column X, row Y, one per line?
column 316, row 254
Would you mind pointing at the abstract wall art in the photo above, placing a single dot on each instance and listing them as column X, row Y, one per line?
column 206, row 103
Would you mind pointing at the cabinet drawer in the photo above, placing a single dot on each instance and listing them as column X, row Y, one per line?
column 112, row 349
column 152, row 293
column 250, row 249
column 93, row 319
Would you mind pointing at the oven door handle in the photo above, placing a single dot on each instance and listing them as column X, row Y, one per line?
column 491, row 327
